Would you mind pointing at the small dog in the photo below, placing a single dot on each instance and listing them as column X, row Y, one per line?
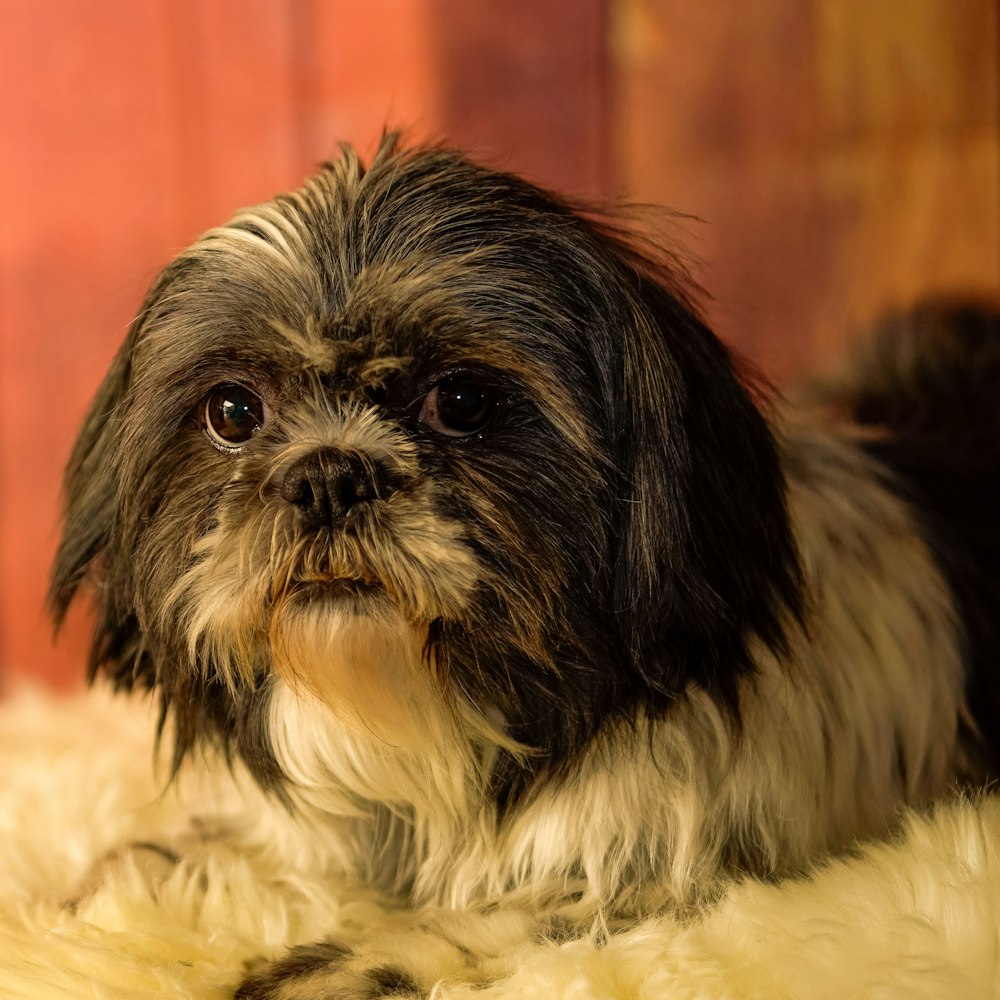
column 435, row 503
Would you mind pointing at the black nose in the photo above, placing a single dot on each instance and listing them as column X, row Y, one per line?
column 325, row 484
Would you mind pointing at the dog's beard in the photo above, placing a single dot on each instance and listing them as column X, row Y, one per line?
column 368, row 666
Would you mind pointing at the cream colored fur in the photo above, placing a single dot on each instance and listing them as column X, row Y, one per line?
column 915, row 917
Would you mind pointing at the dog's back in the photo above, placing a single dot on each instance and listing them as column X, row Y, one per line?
column 925, row 390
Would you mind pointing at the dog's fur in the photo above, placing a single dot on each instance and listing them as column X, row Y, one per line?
column 625, row 634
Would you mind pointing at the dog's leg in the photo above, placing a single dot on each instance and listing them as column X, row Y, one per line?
column 404, row 956
column 154, row 862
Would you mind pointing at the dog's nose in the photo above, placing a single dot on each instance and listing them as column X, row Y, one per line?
column 325, row 484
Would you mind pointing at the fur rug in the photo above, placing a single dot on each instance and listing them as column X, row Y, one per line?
column 919, row 917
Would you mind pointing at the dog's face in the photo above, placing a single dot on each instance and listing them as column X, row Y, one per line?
column 422, row 440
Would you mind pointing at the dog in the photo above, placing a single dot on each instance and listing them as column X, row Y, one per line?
column 431, row 500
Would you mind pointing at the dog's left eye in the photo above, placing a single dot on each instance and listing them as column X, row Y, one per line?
column 459, row 406
column 231, row 415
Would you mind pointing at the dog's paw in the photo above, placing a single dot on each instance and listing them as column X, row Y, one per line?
column 401, row 955
column 327, row 970
column 152, row 863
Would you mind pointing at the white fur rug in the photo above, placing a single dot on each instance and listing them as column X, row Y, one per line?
column 916, row 918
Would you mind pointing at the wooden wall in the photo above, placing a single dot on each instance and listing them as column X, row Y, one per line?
column 842, row 154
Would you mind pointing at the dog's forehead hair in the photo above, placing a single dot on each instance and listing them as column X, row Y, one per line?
column 334, row 351
column 422, row 260
column 220, row 312
column 422, row 241
column 231, row 312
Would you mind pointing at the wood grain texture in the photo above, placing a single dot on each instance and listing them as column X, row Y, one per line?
column 843, row 155
column 525, row 86
column 81, row 238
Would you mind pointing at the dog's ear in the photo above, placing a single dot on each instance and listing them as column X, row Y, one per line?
column 89, row 488
column 706, row 561
column 88, row 548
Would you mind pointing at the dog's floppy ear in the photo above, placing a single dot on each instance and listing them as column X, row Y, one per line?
column 706, row 560
column 87, row 549
column 89, row 488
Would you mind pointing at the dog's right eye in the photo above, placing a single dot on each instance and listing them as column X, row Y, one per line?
column 231, row 415
column 459, row 406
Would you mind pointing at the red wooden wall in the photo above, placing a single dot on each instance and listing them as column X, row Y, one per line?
column 843, row 153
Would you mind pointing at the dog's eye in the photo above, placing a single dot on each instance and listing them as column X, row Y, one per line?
column 232, row 414
column 458, row 406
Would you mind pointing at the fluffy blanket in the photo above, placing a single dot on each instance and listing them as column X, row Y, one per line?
column 918, row 917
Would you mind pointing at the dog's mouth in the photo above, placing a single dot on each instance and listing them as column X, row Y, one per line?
column 354, row 592
column 339, row 587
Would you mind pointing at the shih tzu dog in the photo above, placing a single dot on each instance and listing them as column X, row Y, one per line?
column 433, row 503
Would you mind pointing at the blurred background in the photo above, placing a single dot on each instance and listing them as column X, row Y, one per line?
column 839, row 157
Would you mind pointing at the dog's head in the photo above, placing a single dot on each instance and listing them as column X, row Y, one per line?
column 421, row 438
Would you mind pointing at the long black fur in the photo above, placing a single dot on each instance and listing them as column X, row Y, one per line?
column 927, row 384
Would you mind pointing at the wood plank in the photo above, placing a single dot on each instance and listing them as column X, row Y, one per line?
column 525, row 85
column 81, row 237
column 844, row 155
column 234, row 136
column 363, row 68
